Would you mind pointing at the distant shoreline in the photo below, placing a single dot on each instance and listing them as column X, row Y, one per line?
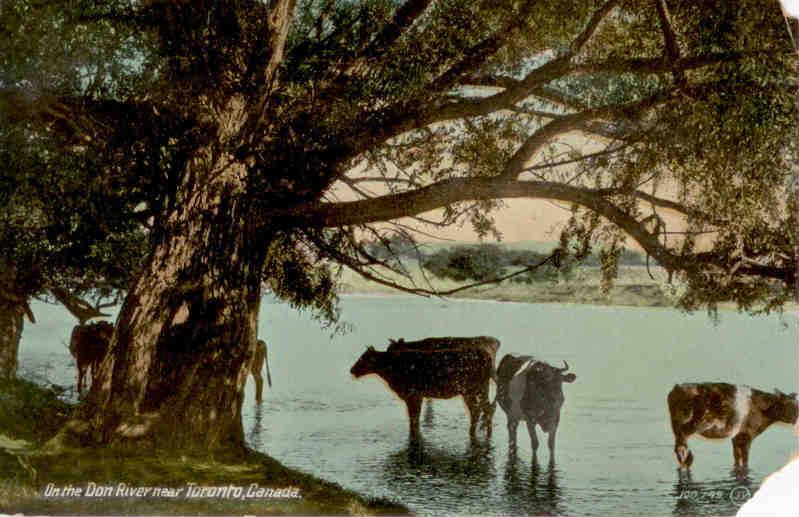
column 791, row 309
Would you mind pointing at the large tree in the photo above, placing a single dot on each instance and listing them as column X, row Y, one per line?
column 271, row 138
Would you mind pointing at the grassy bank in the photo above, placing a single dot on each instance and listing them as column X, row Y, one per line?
column 634, row 287
column 31, row 414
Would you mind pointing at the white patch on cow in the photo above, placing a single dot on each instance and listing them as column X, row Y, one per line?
column 743, row 405
column 516, row 389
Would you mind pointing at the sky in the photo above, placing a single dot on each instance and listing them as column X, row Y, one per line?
column 524, row 219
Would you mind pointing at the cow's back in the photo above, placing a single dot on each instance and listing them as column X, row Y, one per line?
column 437, row 373
column 486, row 343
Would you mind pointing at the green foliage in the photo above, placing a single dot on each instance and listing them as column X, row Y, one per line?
column 489, row 261
column 353, row 94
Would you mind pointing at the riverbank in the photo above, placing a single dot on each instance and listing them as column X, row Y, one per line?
column 100, row 481
column 634, row 287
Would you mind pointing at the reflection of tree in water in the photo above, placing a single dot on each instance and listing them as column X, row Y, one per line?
column 710, row 497
column 423, row 474
column 533, row 490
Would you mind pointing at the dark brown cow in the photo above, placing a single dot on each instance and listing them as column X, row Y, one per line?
column 442, row 374
column 258, row 360
column 486, row 343
column 721, row 410
column 88, row 345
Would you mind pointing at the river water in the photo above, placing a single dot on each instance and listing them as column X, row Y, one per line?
column 614, row 454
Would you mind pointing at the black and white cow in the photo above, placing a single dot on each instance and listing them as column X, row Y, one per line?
column 531, row 390
column 720, row 410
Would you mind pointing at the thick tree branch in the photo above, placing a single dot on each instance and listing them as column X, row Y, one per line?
column 81, row 309
column 567, row 123
column 672, row 48
column 403, row 19
column 278, row 22
column 455, row 190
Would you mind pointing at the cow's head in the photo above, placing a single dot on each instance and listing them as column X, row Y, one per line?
column 545, row 389
column 785, row 408
column 367, row 363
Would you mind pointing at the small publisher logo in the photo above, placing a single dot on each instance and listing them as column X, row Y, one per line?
column 739, row 495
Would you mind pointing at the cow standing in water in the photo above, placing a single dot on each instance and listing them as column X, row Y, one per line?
column 720, row 410
column 258, row 360
column 88, row 345
column 486, row 343
column 416, row 374
column 531, row 390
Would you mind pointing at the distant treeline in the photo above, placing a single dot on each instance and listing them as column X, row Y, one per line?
column 486, row 261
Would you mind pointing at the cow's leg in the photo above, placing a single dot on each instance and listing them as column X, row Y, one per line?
column 259, row 386
column 414, row 404
column 684, row 455
column 474, row 405
column 740, row 450
column 682, row 430
column 488, row 412
column 551, row 444
column 533, row 439
column 513, row 424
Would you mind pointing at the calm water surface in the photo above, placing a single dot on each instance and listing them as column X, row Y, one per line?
column 614, row 454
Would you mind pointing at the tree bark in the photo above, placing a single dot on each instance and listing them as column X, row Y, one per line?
column 11, row 323
column 179, row 358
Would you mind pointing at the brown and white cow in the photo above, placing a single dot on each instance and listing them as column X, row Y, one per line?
column 720, row 410
column 532, row 390
column 443, row 374
column 88, row 345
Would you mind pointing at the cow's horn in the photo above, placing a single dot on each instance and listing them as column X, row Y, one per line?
column 565, row 367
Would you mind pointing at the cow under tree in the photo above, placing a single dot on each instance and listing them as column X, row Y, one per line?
column 416, row 374
column 719, row 410
column 258, row 361
column 88, row 345
column 531, row 390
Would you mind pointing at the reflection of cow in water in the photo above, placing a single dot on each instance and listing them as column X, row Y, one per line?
column 721, row 410
column 88, row 345
column 416, row 374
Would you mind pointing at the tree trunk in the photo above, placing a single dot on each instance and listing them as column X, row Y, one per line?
column 175, row 372
column 11, row 324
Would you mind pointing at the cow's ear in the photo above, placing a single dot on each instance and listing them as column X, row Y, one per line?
column 569, row 377
column 392, row 341
column 370, row 349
